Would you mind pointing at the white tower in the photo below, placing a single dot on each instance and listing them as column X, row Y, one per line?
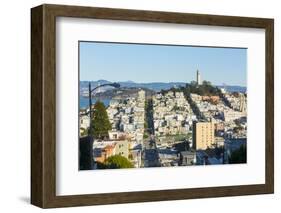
column 198, row 78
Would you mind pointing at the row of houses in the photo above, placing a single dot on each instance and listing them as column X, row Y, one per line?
column 227, row 120
column 126, row 116
column 172, row 114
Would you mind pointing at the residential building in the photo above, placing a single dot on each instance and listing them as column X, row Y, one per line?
column 84, row 122
column 122, row 148
column 101, row 154
column 203, row 135
column 187, row 158
column 230, row 115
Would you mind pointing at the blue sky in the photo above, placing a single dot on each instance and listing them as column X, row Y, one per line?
column 161, row 63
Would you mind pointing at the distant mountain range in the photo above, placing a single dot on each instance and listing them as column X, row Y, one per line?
column 156, row 86
column 234, row 88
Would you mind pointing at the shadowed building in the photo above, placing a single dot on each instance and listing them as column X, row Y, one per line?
column 187, row 158
column 86, row 153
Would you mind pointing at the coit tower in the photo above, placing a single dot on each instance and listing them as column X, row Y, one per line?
column 198, row 78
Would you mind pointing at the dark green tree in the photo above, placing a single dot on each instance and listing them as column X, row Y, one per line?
column 100, row 122
column 193, row 84
column 118, row 162
column 101, row 165
column 239, row 155
column 206, row 83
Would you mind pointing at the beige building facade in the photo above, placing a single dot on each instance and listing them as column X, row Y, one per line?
column 203, row 135
column 122, row 148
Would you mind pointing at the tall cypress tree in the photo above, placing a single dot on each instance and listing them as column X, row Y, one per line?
column 100, row 122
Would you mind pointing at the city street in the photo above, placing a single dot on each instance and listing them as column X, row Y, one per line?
column 150, row 154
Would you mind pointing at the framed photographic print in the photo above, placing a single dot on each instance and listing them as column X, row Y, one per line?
column 136, row 106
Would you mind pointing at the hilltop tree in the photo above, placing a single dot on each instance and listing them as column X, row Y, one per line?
column 192, row 83
column 206, row 83
column 206, row 88
column 100, row 122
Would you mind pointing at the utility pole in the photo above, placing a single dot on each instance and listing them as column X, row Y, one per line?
column 90, row 110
